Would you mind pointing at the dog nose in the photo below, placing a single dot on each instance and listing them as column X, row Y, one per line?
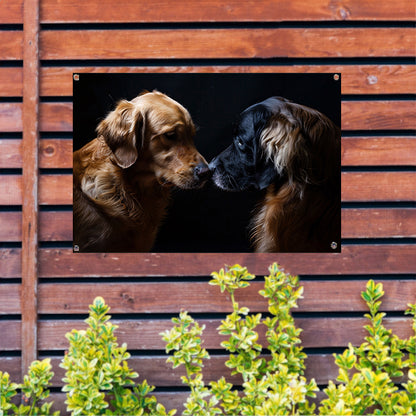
column 202, row 171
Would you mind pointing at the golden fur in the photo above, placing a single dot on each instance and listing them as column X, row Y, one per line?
column 122, row 178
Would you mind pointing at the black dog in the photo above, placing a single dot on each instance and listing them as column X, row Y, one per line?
column 294, row 152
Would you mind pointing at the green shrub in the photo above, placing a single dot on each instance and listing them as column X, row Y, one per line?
column 98, row 380
column 34, row 389
column 276, row 386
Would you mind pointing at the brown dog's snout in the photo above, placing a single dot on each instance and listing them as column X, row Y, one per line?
column 202, row 171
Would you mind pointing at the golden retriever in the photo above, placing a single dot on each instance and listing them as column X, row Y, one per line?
column 123, row 178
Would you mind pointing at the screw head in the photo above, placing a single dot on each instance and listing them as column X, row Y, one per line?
column 334, row 245
column 76, row 77
column 336, row 77
column 76, row 248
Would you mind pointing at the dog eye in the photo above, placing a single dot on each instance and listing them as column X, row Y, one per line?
column 240, row 143
column 171, row 135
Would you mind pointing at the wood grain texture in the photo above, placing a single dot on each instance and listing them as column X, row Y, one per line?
column 30, row 182
column 11, row 80
column 355, row 186
column 354, row 259
column 378, row 151
column 158, row 372
column 384, row 115
column 10, row 299
column 217, row 11
column 13, row 341
column 53, row 153
column 11, row 45
column 11, row 11
column 226, row 43
column 378, row 223
column 200, row 297
column 356, row 79
column 378, row 186
column 145, row 334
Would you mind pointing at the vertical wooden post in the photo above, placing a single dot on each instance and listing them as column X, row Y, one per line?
column 30, row 180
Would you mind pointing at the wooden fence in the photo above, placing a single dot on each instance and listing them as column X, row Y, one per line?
column 45, row 288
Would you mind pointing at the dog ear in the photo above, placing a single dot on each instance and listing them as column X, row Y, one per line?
column 119, row 130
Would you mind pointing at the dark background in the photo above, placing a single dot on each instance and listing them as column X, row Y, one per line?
column 206, row 220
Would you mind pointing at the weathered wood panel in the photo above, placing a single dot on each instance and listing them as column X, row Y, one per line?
column 144, row 334
column 11, row 45
column 217, row 11
column 378, row 151
column 226, row 43
column 356, row 79
column 199, row 297
column 354, row 259
column 53, row 153
column 10, row 299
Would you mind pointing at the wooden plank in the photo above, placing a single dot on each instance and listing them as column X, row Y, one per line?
column 30, row 182
column 356, row 151
column 11, row 46
column 11, row 79
column 355, row 186
column 11, row 117
column 11, row 11
column 144, row 334
column 378, row 151
column 226, row 43
column 356, row 79
column 384, row 115
column 354, row 259
column 10, row 299
column 200, row 297
column 378, row 186
column 13, row 341
column 53, row 153
column 217, row 11
column 378, row 223
column 361, row 259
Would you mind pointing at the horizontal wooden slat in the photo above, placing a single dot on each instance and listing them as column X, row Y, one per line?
column 384, row 115
column 378, row 223
column 226, row 43
column 378, row 186
column 11, row 342
column 159, row 373
column 217, row 11
column 198, row 297
column 356, row 151
column 53, row 153
column 144, row 335
column 356, row 79
column 53, row 190
column 356, row 223
column 354, row 259
column 11, row 80
column 10, row 299
column 11, row 45
column 11, row 117
column 378, row 151
column 209, row 11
